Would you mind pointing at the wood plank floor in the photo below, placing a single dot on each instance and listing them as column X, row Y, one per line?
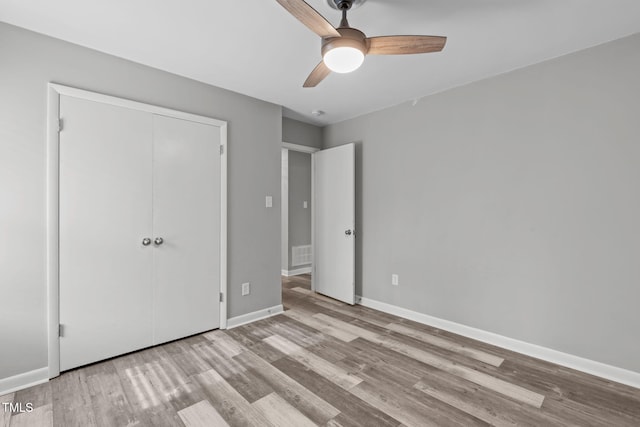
column 325, row 363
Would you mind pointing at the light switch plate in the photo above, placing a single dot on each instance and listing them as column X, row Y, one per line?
column 269, row 201
column 304, row 204
column 394, row 279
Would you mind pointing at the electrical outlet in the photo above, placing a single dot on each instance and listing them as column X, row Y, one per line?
column 246, row 289
column 268, row 202
column 305, row 205
column 394, row 279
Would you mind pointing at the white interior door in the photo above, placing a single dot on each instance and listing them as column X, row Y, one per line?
column 334, row 222
column 105, row 213
column 186, row 216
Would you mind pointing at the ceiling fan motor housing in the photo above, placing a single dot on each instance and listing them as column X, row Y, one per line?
column 351, row 37
column 345, row 4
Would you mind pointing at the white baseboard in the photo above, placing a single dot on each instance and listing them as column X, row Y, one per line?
column 22, row 381
column 297, row 272
column 592, row 367
column 253, row 316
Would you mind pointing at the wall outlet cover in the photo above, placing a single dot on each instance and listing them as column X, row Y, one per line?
column 246, row 288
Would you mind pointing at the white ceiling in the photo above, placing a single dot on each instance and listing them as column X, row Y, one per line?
column 256, row 48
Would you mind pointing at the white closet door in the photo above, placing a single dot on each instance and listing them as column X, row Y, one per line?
column 186, row 201
column 105, row 212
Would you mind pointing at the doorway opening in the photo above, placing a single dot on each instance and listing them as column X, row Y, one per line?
column 328, row 247
column 297, row 216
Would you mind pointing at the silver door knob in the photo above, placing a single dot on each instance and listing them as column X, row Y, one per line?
column 347, row 232
column 146, row 241
column 158, row 241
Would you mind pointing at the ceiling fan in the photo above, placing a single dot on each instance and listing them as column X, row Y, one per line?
column 344, row 48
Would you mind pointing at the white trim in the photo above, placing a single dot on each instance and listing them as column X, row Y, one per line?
column 299, row 148
column 223, row 225
column 592, row 367
column 134, row 105
column 254, row 316
column 52, row 185
column 297, row 271
column 284, row 208
column 313, row 220
column 22, row 381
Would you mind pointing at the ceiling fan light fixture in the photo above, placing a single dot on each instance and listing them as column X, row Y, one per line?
column 346, row 53
column 343, row 59
column 343, row 48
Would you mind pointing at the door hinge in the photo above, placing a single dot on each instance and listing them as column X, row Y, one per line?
column 61, row 330
column 221, row 297
column 60, row 125
column 221, row 150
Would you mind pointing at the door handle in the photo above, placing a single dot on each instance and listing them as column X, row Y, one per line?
column 146, row 241
column 348, row 232
column 158, row 241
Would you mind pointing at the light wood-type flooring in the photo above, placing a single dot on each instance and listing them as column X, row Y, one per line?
column 328, row 364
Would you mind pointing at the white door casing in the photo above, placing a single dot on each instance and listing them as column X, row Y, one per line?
column 334, row 222
column 286, row 148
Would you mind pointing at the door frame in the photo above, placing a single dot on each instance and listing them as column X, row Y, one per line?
column 52, row 201
column 309, row 150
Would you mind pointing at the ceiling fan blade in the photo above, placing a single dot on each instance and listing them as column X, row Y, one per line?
column 317, row 75
column 402, row 45
column 309, row 17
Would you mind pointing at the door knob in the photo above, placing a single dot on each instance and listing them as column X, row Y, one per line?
column 347, row 232
column 158, row 241
column 146, row 241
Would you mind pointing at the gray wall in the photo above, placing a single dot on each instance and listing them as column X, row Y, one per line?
column 27, row 62
column 512, row 204
column 301, row 133
column 299, row 191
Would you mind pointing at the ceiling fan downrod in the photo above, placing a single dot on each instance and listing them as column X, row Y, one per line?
column 344, row 6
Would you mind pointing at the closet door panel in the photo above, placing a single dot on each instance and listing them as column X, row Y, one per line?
column 105, row 212
column 186, row 206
